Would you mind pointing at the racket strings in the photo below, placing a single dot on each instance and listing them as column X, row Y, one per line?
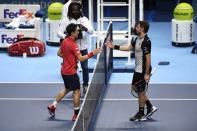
column 140, row 84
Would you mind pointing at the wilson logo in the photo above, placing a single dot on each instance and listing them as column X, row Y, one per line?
column 34, row 50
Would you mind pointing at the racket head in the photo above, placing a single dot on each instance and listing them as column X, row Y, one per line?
column 140, row 86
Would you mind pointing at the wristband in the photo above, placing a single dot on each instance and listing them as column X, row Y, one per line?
column 90, row 54
column 117, row 47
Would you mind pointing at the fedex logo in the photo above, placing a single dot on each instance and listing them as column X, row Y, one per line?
column 9, row 14
column 9, row 40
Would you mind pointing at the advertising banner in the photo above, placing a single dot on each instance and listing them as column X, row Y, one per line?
column 11, row 11
column 7, row 37
column 43, row 3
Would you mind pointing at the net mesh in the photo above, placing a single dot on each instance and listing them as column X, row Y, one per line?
column 96, row 89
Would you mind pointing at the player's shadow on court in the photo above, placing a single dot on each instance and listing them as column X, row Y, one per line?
column 146, row 121
column 151, row 120
column 59, row 123
column 58, row 119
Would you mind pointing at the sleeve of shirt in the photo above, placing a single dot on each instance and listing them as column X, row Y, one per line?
column 85, row 22
column 133, row 41
column 146, row 47
column 62, row 28
column 75, row 50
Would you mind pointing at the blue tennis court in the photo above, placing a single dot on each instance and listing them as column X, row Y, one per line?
column 23, row 108
column 175, row 103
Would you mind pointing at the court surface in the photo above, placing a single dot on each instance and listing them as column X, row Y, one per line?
column 176, row 105
column 24, row 108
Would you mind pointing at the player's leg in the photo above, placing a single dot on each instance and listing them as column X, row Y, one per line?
column 75, row 83
column 52, row 107
column 139, row 116
column 58, row 98
column 141, row 101
column 150, row 108
column 76, row 103
column 60, row 95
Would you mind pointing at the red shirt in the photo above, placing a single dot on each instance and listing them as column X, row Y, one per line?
column 70, row 51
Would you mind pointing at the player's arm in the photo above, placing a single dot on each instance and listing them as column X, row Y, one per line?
column 148, row 62
column 89, row 55
column 127, row 47
column 59, row 53
column 147, row 52
column 146, row 47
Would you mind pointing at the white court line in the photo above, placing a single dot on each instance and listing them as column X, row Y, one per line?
column 70, row 99
column 31, row 82
column 175, row 83
column 154, row 99
column 32, row 99
column 168, row 83
column 185, row 83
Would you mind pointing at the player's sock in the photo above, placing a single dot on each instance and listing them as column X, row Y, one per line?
column 148, row 104
column 141, row 110
column 76, row 110
column 54, row 103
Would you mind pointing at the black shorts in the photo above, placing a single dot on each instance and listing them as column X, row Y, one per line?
column 137, row 77
column 71, row 82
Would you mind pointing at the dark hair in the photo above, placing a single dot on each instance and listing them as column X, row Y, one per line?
column 72, row 4
column 144, row 24
column 71, row 28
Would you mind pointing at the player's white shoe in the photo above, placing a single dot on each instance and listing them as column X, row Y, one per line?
column 151, row 111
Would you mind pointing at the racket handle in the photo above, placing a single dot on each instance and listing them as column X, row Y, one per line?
column 153, row 71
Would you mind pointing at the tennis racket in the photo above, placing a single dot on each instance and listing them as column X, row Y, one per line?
column 139, row 85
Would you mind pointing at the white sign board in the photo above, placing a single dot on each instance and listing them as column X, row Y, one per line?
column 10, row 11
column 183, row 31
column 7, row 36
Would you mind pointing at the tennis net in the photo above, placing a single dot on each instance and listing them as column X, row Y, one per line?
column 96, row 89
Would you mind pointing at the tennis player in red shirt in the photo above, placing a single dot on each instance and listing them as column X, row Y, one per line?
column 70, row 53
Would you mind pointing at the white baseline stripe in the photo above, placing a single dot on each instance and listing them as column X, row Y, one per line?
column 127, row 82
column 168, row 83
column 32, row 99
column 108, row 99
column 154, row 99
column 31, row 82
